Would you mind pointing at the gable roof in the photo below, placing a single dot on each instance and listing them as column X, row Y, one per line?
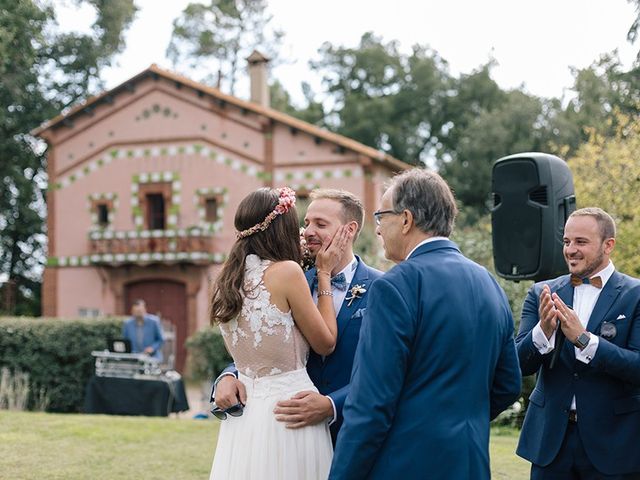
column 155, row 72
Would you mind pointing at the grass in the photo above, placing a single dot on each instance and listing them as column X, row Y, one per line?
column 56, row 446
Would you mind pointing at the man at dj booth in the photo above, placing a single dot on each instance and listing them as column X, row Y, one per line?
column 144, row 331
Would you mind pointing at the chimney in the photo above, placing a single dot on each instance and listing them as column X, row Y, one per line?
column 258, row 78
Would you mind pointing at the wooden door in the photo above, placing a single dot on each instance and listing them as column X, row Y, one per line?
column 168, row 300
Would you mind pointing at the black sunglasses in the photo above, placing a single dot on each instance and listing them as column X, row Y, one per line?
column 234, row 410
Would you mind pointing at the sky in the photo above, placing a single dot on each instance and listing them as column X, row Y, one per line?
column 535, row 43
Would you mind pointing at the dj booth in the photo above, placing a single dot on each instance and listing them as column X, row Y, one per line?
column 133, row 384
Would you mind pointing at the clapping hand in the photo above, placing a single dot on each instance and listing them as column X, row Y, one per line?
column 547, row 312
column 569, row 321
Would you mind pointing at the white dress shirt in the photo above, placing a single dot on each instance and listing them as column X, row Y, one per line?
column 338, row 299
column 426, row 240
column 585, row 297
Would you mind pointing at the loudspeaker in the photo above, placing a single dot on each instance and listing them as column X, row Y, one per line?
column 532, row 198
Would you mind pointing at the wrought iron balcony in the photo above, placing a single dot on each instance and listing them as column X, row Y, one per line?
column 147, row 246
column 114, row 248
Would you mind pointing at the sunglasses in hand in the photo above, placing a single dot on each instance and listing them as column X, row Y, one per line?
column 234, row 410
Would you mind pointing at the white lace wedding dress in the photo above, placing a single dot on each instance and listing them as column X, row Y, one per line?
column 270, row 354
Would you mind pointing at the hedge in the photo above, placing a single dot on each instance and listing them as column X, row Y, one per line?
column 207, row 354
column 56, row 353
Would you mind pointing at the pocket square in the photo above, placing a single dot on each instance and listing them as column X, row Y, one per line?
column 621, row 317
column 359, row 313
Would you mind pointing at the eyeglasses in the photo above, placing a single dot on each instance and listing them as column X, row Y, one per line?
column 379, row 213
column 234, row 410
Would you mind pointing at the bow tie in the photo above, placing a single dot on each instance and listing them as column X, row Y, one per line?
column 339, row 282
column 576, row 281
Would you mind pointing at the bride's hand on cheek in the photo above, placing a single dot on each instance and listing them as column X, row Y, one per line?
column 333, row 249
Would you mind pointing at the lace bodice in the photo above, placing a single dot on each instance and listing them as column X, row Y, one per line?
column 263, row 340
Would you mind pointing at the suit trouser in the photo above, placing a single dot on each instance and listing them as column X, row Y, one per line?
column 572, row 463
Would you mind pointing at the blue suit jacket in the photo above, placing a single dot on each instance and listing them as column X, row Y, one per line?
column 151, row 335
column 607, row 390
column 436, row 361
column 331, row 375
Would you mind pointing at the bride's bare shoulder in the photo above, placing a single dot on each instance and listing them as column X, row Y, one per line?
column 285, row 270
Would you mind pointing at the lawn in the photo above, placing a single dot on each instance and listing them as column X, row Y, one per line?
column 52, row 446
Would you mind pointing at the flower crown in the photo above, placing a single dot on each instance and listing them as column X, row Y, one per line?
column 286, row 200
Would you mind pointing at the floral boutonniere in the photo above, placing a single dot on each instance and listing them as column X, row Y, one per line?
column 356, row 292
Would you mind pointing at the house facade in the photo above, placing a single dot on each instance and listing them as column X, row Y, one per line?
column 144, row 181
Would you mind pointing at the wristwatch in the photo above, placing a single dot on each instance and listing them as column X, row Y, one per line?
column 582, row 340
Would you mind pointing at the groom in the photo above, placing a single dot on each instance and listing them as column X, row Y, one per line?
column 328, row 211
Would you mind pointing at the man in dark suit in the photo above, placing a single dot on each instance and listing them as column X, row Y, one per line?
column 436, row 358
column 583, row 420
column 328, row 211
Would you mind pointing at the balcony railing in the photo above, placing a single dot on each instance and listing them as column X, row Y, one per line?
column 147, row 246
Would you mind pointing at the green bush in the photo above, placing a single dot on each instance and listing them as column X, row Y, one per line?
column 56, row 354
column 207, row 354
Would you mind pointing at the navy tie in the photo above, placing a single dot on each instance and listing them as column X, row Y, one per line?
column 339, row 282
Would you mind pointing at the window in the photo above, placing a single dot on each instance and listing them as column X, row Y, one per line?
column 211, row 210
column 155, row 211
column 102, row 211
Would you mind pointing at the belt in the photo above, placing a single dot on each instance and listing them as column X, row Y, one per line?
column 573, row 416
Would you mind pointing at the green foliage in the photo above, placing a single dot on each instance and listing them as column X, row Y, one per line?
column 369, row 247
column 43, row 71
column 475, row 243
column 56, row 353
column 207, row 354
column 312, row 113
column 632, row 34
column 224, row 32
column 514, row 125
column 600, row 89
column 389, row 100
column 606, row 173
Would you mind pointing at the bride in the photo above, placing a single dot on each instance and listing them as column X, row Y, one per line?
column 263, row 305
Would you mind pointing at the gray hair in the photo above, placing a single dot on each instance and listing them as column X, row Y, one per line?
column 429, row 199
column 606, row 224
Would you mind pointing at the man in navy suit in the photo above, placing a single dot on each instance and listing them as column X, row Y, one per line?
column 583, row 419
column 328, row 211
column 436, row 358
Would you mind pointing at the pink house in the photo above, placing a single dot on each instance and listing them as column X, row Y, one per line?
column 145, row 179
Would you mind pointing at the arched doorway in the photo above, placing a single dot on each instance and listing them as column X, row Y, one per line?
column 168, row 300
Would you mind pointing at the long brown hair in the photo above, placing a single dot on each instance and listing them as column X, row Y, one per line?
column 279, row 241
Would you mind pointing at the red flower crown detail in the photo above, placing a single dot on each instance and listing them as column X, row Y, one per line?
column 286, row 200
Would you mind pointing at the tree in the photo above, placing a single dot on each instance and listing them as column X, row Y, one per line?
column 598, row 90
column 313, row 112
column 606, row 173
column 222, row 33
column 409, row 106
column 517, row 125
column 386, row 99
column 632, row 34
column 43, row 71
